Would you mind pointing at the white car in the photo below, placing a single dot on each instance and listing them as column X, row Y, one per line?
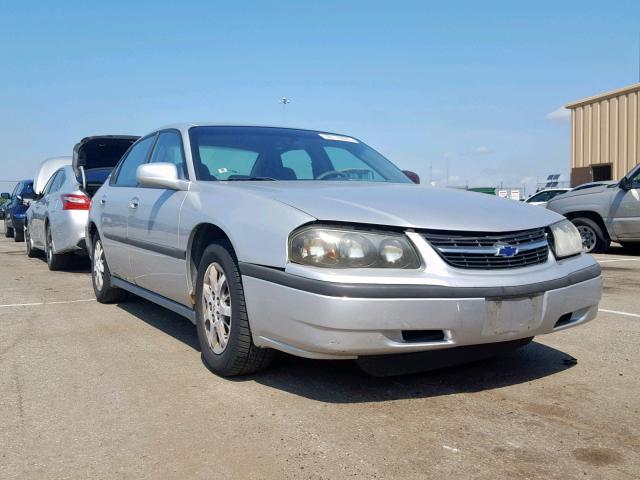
column 543, row 196
column 56, row 220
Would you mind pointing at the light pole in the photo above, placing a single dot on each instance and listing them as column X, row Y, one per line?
column 284, row 101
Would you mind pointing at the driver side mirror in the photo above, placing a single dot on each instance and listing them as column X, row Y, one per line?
column 160, row 175
column 625, row 184
column 413, row 176
column 5, row 196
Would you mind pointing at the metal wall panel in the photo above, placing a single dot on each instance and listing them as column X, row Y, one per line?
column 606, row 129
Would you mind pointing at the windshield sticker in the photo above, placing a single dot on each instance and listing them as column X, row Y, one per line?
column 337, row 138
column 222, row 170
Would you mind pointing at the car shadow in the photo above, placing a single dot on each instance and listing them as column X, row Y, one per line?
column 164, row 320
column 618, row 250
column 76, row 264
column 343, row 381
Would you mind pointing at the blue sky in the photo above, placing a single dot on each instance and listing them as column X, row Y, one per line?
column 470, row 84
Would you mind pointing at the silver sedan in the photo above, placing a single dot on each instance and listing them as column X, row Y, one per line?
column 314, row 244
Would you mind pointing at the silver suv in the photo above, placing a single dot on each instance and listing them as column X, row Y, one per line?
column 314, row 244
column 605, row 213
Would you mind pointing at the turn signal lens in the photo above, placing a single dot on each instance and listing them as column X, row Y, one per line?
column 73, row 201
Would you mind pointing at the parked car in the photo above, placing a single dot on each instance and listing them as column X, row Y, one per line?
column 5, row 196
column 14, row 209
column 543, row 196
column 594, row 184
column 56, row 221
column 605, row 213
column 314, row 244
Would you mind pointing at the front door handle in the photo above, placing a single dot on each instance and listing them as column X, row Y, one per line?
column 133, row 204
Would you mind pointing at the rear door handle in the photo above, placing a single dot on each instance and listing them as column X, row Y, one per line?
column 134, row 203
column 103, row 200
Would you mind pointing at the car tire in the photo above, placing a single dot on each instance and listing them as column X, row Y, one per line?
column 238, row 355
column 55, row 261
column 594, row 239
column 8, row 232
column 18, row 235
column 32, row 252
column 101, row 276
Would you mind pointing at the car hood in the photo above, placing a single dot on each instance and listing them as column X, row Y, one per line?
column 404, row 205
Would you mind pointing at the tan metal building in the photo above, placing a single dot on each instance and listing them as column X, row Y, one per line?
column 605, row 135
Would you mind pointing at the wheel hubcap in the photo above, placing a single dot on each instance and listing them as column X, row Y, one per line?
column 98, row 265
column 216, row 305
column 589, row 238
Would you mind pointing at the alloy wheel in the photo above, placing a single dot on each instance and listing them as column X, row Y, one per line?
column 98, row 265
column 589, row 238
column 216, row 303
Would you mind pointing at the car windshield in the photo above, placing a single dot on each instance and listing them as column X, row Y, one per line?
column 267, row 153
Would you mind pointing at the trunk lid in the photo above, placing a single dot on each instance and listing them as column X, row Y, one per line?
column 101, row 151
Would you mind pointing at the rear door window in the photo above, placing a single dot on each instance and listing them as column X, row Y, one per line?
column 48, row 188
column 139, row 154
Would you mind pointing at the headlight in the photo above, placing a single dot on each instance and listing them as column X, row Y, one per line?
column 566, row 239
column 337, row 248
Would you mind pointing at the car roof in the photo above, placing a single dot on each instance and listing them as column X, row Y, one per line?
column 185, row 126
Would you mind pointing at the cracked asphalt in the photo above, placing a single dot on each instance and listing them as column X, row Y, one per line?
column 120, row 391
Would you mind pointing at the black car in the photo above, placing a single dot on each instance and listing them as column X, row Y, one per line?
column 15, row 209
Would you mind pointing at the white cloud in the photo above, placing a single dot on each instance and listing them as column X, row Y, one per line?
column 559, row 115
column 482, row 150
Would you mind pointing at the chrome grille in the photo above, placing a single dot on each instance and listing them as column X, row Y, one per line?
column 480, row 250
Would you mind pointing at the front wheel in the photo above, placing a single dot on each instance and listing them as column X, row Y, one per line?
column 221, row 316
column 593, row 238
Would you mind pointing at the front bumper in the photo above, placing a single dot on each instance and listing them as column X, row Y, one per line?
column 325, row 324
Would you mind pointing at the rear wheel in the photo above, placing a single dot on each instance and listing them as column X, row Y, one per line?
column 593, row 238
column 221, row 316
column 101, row 276
column 32, row 252
column 55, row 261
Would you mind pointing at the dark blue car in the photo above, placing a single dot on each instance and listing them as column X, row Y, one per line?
column 15, row 209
